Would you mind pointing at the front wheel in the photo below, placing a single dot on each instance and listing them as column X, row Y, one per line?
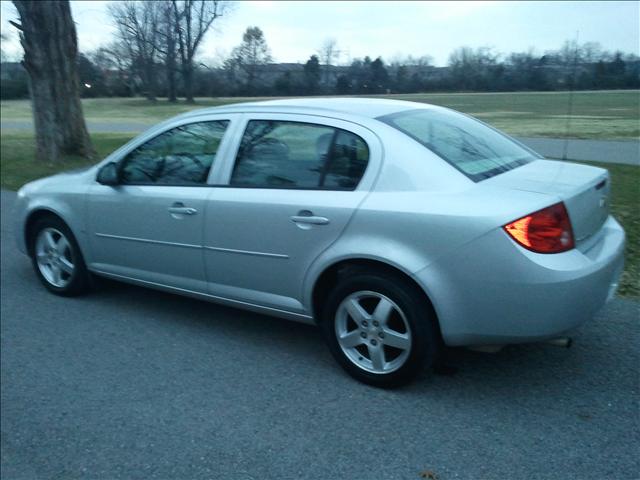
column 57, row 259
column 380, row 328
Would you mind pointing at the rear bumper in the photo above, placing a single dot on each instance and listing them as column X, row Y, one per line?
column 495, row 292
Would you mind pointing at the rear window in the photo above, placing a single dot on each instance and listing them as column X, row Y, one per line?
column 472, row 147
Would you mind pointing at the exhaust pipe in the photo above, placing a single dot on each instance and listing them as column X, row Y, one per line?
column 564, row 342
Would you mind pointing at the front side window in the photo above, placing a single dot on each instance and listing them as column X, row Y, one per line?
column 180, row 156
column 281, row 154
column 472, row 147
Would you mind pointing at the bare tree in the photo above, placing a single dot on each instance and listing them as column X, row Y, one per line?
column 137, row 28
column 167, row 44
column 48, row 37
column 169, row 39
column 114, row 57
column 470, row 69
column 193, row 19
column 569, row 53
column 249, row 55
column 328, row 54
column 591, row 52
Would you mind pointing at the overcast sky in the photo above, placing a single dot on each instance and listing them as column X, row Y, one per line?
column 295, row 30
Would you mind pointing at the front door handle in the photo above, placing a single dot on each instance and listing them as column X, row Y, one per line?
column 309, row 219
column 183, row 210
column 178, row 208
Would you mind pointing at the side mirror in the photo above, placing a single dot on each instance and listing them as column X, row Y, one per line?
column 109, row 174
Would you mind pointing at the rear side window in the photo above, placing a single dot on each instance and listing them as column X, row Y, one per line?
column 474, row 148
column 281, row 154
column 180, row 156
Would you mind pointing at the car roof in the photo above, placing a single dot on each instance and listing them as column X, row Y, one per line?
column 363, row 107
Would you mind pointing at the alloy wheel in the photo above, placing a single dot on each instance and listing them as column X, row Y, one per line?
column 53, row 255
column 373, row 332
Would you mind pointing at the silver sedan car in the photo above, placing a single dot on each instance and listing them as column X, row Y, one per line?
column 397, row 227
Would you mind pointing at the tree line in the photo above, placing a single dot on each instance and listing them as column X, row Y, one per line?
column 157, row 46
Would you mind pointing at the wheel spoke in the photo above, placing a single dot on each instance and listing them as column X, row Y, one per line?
column 42, row 257
column 376, row 354
column 382, row 311
column 62, row 245
column 357, row 313
column 396, row 339
column 48, row 237
column 66, row 266
column 351, row 339
column 55, row 274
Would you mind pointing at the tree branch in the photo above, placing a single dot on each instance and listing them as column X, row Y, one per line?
column 17, row 25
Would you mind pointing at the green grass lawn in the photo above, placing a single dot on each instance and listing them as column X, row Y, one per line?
column 625, row 207
column 18, row 166
column 596, row 115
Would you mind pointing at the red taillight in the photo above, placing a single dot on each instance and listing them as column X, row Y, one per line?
column 545, row 231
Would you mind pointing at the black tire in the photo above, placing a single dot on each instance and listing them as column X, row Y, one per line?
column 79, row 281
column 424, row 333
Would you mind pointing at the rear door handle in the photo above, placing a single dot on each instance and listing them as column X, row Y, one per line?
column 178, row 208
column 310, row 220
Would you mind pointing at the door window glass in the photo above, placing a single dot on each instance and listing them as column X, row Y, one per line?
column 280, row 154
column 181, row 156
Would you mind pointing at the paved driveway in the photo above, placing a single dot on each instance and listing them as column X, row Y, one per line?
column 131, row 383
column 625, row 152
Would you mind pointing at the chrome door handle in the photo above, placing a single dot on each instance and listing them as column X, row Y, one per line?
column 182, row 211
column 312, row 220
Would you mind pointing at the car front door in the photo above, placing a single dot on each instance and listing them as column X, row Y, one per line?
column 294, row 184
column 148, row 227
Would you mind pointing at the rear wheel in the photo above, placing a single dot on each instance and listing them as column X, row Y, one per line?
column 380, row 328
column 57, row 259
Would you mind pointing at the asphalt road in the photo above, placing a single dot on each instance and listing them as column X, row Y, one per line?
column 131, row 383
column 625, row 152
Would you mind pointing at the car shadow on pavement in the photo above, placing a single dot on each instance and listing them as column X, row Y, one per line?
column 214, row 319
column 516, row 371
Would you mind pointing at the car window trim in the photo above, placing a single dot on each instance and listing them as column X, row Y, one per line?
column 222, row 185
column 330, row 158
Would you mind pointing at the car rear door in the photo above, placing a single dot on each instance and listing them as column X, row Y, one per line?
column 149, row 227
column 271, row 217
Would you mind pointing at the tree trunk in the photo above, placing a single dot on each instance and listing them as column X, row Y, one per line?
column 48, row 36
column 150, row 80
column 250, row 79
column 170, row 58
column 170, row 62
column 172, row 95
column 188, row 83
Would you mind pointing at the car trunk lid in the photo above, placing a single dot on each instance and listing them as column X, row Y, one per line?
column 584, row 190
